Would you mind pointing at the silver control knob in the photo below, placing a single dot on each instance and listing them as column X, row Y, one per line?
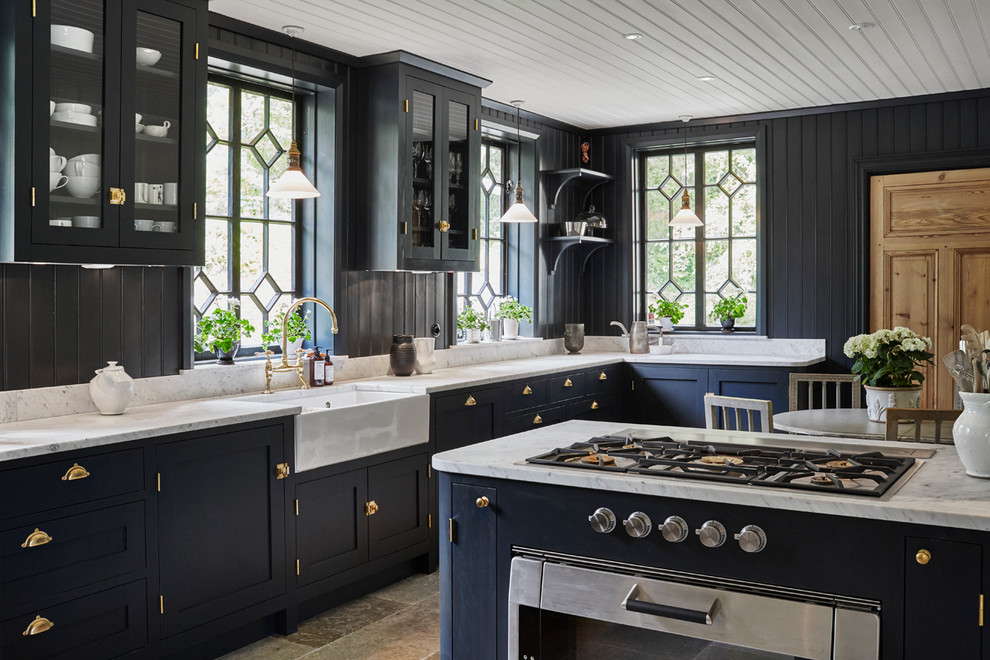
column 674, row 529
column 602, row 520
column 751, row 538
column 712, row 534
column 638, row 525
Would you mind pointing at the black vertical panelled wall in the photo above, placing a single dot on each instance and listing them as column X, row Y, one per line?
column 58, row 324
column 816, row 226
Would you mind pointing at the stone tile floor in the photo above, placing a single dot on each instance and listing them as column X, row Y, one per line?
column 399, row 622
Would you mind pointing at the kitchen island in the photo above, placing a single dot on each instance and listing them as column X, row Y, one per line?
column 899, row 575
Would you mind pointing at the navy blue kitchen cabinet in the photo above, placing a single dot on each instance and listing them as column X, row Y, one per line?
column 752, row 383
column 670, row 395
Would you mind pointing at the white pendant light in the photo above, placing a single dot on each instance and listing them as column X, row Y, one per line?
column 686, row 217
column 518, row 212
column 293, row 184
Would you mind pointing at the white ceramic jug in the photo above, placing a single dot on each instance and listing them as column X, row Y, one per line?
column 425, row 360
column 111, row 389
column 971, row 434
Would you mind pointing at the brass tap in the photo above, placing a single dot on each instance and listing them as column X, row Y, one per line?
column 270, row 369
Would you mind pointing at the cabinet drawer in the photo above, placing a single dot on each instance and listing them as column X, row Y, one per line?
column 101, row 625
column 533, row 419
column 565, row 386
column 51, row 485
column 600, row 407
column 466, row 417
column 525, row 394
column 83, row 549
column 467, row 398
column 604, row 379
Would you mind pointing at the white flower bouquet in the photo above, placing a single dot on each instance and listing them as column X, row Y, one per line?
column 889, row 358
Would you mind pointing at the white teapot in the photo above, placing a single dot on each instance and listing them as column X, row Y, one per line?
column 111, row 389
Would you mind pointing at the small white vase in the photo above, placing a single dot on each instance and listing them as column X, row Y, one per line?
column 425, row 360
column 111, row 389
column 472, row 335
column 666, row 324
column 510, row 329
column 878, row 399
column 971, row 434
column 293, row 348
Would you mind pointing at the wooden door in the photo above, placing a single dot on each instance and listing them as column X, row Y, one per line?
column 930, row 261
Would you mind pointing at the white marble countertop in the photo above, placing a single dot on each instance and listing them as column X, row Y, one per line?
column 939, row 493
column 69, row 432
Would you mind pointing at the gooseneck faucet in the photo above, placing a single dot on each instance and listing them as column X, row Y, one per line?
column 625, row 333
column 270, row 369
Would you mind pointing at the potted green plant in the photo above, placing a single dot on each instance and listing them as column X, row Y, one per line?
column 727, row 310
column 296, row 332
column 472, row 322
column 511, row 311
column 667, row 312
column 887, row 364
column 220, row 331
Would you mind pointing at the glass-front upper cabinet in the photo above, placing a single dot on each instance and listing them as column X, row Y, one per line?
column 424, row 221
column 113, row 121
column 462, row 150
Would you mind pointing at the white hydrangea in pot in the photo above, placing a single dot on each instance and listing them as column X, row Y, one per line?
column 887, row 363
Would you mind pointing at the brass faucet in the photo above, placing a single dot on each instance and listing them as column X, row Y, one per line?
column 270, row 369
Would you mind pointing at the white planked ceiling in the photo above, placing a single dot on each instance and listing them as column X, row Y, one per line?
column 568, row 60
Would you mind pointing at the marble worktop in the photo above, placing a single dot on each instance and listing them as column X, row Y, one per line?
column 939, row 493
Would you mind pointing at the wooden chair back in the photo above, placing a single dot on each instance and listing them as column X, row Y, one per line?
column 816, row 391
column 726, row 409
column 896, row 432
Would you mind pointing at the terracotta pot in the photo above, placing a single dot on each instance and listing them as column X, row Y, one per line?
column 878, row 399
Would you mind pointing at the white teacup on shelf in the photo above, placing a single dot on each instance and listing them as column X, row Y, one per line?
column 60, row 222
column 81, row 168
column 80, row 108
column 83, row 187
column 171, row 194
column 144, row 225
column 140, row 193
column 56, row 180
column 86, row 221
column 156, row 193
column 166, row 226
column 158, row 131
column 56, row 163
column 148, row 56
column 138, row 128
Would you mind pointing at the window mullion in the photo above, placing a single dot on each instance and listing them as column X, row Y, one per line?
column 699, row 239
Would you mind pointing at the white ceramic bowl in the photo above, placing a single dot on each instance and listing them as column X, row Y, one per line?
column 82, row 168
column 84, row 158
column 75, row 118
column 144, row 225
column 56, row 180
column 148, row 56
column 138, row 128
column 60, row 222
column 157, row 131
column 81, row 108
column 70, row 36
column 86, row 221
column 83, row 187
column 56, row 163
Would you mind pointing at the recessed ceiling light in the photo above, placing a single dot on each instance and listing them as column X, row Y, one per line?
column 632, row 36
column 706, row 78
column 859, row 27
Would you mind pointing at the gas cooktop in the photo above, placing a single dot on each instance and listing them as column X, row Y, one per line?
column 869, row 473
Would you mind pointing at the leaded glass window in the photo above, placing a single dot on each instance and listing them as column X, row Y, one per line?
column 700, row 266
column 250, row 238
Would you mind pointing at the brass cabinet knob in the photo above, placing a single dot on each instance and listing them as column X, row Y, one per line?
column 36, row 538
column 75, row 472
column 370, row 508
column 470, row 401
column 444, row 225
column 594, row 405
column 602, row 376
column 537, row 419
column 568, row 383
column 482, row 502
column 527, row 390
column 117, row 196
column 923, row 557
column 38, row 626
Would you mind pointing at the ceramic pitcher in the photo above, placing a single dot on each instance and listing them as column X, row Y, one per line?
column 111, row 389
column 971, row 434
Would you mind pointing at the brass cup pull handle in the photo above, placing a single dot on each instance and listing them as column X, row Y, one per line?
column 444, row 225
column 470, row 401
column 537, row 419
column 602, row 376
column 75, row 472
column 923, row 557
column 482, row 502
column 38, row 626
column 594, row 405
column 117, row 196
column 527, row 390
column 36, row 538
column 568, row 383
column 370, row 508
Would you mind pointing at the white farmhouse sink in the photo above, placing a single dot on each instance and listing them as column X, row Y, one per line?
column 342, row 423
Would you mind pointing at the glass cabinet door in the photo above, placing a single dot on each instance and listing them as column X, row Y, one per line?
column 424, row 223
column 73, row 208
column 459, row 186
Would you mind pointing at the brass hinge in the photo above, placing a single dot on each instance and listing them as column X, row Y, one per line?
column 405, row 228
column 450, row 529
column 370, row 508
column 475, row 123
column 429, row 471
column 197, row 50
column 474, row 233
column 281, row 470
column 159, row 482
column 407, row 105
column 161, row 604
column 32, row 195
column 297, row 567
column 429, row 521
column 34, row 8
column 297, row 507
column 632, row 385
column 981, row 610
column 195, row 210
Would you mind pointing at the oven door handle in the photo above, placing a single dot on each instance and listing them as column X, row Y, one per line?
column 631, row 604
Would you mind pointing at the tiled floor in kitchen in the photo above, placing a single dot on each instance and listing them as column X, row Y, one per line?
column 399, row 622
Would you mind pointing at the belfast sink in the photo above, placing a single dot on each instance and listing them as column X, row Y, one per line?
column 342, row 423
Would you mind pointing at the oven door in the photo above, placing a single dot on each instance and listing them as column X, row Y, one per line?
column 563, row 610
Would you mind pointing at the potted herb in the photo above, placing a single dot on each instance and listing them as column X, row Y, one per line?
column 511, row 311
column 297, row 329
column 220, row 331
column 727, row 310
column 472, row 322
column 887, row 364
column 667, row 312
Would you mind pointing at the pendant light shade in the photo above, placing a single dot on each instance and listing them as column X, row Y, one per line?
column 293, row 184
column 518, row 212
column 686, row 217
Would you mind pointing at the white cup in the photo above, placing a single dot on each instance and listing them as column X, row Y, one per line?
column 80, row 168
column 83, row 158
column 56, row 163
column 158, row 131
column 171, row 194
column 144, row 225
column 140, row 193
column 51, row 151
column 83, row 186
column 156, row 193
column 87, row 221
column 166, row 226
column 79, row 108
column 56, row 180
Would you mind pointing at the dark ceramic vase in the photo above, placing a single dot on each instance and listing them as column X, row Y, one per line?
column 402, row 356
column 728, row 325
column 227, row 357
column 574, row 337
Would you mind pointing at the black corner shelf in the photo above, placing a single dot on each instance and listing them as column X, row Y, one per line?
column 578, row 177
column 584, row 245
